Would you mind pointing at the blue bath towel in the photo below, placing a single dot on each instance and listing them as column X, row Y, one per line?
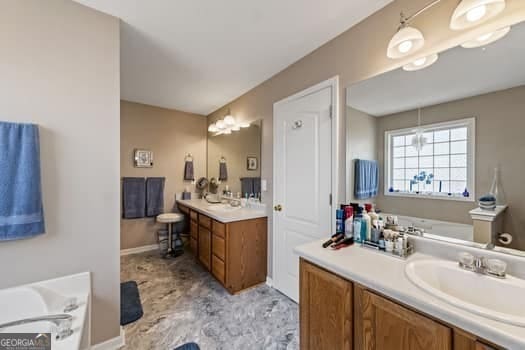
column 366, row 180
column 21, row 209
column 133, row 197
column 154, row 196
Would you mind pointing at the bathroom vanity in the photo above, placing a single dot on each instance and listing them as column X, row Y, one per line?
column 231, row 243
column 359, row 299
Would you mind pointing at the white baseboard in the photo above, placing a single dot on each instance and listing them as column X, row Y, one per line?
column 113, row 343
column 136, row 250
column 269, row 282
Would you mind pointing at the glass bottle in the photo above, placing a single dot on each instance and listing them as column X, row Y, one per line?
column 496, row 189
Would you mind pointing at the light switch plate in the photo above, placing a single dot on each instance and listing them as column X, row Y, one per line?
column 264, row 185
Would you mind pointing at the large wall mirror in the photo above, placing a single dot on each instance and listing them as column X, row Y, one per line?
column 234, row 161
column 443, row 135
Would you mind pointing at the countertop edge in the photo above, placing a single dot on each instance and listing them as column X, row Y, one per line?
column 436, row 308
column 245, row 213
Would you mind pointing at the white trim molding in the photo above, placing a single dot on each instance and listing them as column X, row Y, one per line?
column 113, row 343
column 137, row 250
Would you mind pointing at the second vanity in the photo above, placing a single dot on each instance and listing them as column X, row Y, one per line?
column 360, row 299
column 229, row 242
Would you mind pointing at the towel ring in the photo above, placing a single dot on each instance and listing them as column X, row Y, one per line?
column 222, row 160
column 188, row 158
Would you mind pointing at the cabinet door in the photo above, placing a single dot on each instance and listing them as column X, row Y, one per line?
column 325, row 309
column 205, row 247
column 384, row 325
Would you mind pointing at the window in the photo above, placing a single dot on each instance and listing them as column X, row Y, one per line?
column 442, row 167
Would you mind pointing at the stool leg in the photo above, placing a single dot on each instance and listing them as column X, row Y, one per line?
column 169, row 237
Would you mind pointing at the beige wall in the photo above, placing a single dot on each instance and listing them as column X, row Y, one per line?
column 170, row 135
column 361, row 131
column 235, row 148
column 59, row 68
column 499, row 143
column 355, row 55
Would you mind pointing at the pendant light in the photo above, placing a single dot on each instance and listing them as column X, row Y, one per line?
column 486, row 38
column 419, row 140
column 407, row 39
column 470, row 13
column 421, row 63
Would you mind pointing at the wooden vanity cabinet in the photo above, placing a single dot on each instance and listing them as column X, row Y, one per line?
column 235, row 253
column 338, row 314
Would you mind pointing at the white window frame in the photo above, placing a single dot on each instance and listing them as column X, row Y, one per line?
column 470, row 124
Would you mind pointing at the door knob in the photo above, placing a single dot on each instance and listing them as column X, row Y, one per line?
column 278, row 207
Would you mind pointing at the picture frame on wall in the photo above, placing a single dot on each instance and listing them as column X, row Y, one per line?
column 143, row 158
column 252, row 163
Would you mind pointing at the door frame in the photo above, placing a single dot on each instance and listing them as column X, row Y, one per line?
column 333, row 83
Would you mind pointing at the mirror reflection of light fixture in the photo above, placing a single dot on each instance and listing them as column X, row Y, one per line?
column 244, row 125
column 419, row 140
column 486, row 38
column 470, row 13
column 407, row 40
column 212, row 128
column 421, row 63
column 236, row 128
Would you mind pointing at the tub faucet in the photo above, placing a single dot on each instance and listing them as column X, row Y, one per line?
column 62, row 323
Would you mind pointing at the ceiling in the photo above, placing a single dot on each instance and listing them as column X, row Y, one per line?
column 459, row 73
column 198, row 55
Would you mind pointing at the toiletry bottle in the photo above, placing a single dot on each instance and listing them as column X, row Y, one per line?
column 349, row 222
column 358, row 217
column 372, row 213
column 339, row 221
column 366, row 227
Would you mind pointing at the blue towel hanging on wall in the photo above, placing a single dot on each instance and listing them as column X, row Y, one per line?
column 21, row 209
column 366, row 180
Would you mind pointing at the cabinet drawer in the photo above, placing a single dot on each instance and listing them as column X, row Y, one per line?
column 217, row 269
column 205, row 247
column 219, row 229
column 194, row 215
column 205, row 221
column 194, row 230
column 183, row 209
column 218, row 246
column 194, row 247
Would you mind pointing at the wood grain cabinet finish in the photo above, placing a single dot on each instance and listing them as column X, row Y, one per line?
column 383, row 324
column 339, row 314
column 234, row 253
column 326, row 309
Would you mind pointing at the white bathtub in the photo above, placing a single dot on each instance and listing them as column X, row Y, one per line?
column 439, row 228
column 49, row 298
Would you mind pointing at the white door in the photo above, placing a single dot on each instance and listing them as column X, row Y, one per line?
column 302, row 180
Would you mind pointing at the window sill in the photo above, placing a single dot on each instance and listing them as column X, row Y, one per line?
column 428, row 196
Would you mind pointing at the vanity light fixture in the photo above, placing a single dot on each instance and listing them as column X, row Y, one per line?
column 419, row 140
column 407, row 40
column 470, row 13
column 213, row 128
column 244, row 125
column 229, row 120
column 220, row 124
column 486, row 38
column 421, row 63
column 236, row 128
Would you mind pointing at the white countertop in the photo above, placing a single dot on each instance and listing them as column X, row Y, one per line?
column 224, row 216
column 386, row 275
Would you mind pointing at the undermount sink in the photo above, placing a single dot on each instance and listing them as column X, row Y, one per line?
column 222, row 207
column 494, row 298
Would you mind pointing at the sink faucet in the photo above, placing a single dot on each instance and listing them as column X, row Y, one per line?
column 490, row 267
column 62, row 323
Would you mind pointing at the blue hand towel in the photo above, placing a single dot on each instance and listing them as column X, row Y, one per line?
column 21, row 209
column 188, row 171
column 154, row 196
column 247, row 185
column 223, row 171
column 133, row 197
column 366, row 180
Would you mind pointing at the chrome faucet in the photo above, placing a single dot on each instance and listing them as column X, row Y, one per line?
column 62, row 322
column 490, row 267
